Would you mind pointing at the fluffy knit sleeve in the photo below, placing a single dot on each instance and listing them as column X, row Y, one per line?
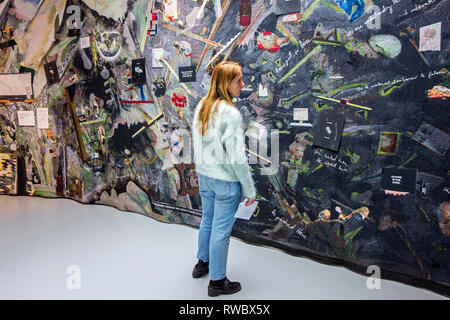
column 233, row 141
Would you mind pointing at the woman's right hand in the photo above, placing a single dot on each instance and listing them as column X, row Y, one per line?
column 249, row 202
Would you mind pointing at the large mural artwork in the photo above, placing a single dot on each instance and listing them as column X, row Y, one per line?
column 345, row 113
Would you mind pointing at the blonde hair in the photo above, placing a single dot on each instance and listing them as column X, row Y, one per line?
column 222, row 76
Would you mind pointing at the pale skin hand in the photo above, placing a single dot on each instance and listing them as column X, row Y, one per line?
column 234, row 88
column 249, row 202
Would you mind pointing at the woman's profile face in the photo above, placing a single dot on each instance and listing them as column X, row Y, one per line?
column 236, row 85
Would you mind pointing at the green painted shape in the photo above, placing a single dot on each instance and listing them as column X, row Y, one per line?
column 347, row 86
column 360, row 45
column 350, row 48
column 410, row 159
column 332, row 6
column 424, row 213
column 310, row 10
column 325, row 106
column 388, row 45
column 366, row 114
column 350, row 235
column 327, row 43
column 308, row 193
column 382, row 92
column 264, row 59
column 442, row 252
column 354, row 158
column 318, row 167
column 45, row 193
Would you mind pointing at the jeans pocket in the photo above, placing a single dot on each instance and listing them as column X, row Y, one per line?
column 227, row 189
column 222, row 188
column 235, row 188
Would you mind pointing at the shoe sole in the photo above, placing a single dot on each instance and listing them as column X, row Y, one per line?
column 212, row 292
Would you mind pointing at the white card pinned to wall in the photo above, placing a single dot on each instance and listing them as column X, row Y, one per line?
column 26, row 118
column 301, row 114
column 430, row 37
column 262, row 91
column 170, row 10
column 85, row 43
column 157, row 53
column 42, row 118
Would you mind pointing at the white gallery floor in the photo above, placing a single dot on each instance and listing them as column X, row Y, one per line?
column 61, row 249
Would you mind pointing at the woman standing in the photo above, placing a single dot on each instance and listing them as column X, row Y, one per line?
column 223, row 172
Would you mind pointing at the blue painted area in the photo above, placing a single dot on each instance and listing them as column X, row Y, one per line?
column 35, row 2
column 141, row 90
column 347, row 6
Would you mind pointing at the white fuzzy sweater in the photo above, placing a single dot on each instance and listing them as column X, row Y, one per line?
column 220, row 153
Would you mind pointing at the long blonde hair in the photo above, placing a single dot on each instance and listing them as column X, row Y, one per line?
column 222, row 76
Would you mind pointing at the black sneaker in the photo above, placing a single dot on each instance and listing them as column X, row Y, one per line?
column 200, row 269
column 223, row 286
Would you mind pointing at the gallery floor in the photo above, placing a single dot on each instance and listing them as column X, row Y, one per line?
column 50, row 246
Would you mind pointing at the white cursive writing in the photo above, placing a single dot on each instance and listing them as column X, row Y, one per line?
column 403, row 79
column 331, row 160
column 299, row 231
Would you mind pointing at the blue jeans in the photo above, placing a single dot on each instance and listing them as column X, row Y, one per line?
column 220, row 201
